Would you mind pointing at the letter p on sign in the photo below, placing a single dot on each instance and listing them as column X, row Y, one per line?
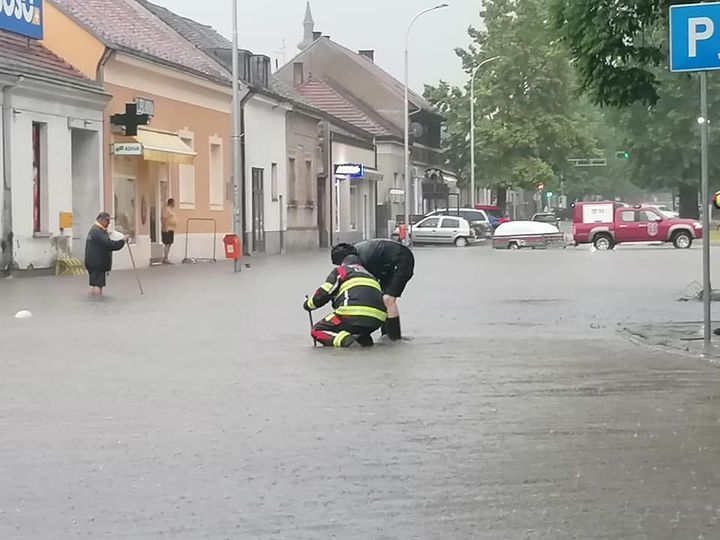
column 699, row 29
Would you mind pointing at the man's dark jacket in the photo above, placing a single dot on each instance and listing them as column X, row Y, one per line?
column 99, row 248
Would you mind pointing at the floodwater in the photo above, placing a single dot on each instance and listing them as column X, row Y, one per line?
column 515, row 410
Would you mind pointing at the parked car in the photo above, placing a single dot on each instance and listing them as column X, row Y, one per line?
column 664, row 210
column 563, row 214
column 443, row 230
column 527, row 234
column 606, row 224
column 546, row 217
column 494, row 213
column 479, row 219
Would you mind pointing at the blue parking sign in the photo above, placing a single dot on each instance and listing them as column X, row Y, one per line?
column 695, row 37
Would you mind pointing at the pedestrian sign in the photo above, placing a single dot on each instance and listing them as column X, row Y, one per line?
column 695, row 37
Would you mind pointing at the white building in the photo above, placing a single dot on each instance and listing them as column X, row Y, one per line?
column 354, row 197
column 264, row 126
column 351, row 86
column 51, row 135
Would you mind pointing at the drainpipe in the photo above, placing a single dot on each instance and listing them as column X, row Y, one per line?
column 243, row 175
column 106, row 137
column 100, row 72
column 7, row 237
column 331, row 181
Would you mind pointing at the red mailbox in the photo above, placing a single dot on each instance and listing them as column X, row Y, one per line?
column 232, row 246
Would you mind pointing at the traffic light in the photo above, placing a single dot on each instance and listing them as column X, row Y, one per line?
column 624, row 154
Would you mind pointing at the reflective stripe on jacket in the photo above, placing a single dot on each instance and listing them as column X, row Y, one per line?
column 353, row 290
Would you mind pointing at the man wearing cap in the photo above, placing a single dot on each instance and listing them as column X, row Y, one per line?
column 98, row 253
column 393, row 264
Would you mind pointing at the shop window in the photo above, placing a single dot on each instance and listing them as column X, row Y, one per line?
column 125, row 206
column 217, row 187
column 40, row 186
column 187, row 176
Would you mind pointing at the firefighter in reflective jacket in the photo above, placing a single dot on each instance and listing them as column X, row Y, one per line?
column 358, row 302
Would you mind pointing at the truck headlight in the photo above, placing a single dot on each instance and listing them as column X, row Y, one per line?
column 697, row 225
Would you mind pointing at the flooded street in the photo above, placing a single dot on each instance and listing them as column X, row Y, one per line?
column 516, row 409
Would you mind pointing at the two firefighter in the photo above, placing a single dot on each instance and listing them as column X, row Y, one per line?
column 364, row 287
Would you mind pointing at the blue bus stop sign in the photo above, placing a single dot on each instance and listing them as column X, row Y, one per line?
column 695, row 37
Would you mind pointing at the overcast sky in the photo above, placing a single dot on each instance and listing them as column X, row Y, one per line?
column 357, row 24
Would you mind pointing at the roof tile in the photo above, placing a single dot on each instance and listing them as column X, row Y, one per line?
column 322, row 95
column 127, row 25
column 210, row 40
column 29, row 56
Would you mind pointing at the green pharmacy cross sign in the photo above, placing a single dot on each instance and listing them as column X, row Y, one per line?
column 131, row 120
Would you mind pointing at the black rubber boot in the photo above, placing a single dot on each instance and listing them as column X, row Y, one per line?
column 365, row 341
column 393, row 329
column 350, row 341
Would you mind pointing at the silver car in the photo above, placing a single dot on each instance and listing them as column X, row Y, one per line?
column 479, row 220
column 443, row 230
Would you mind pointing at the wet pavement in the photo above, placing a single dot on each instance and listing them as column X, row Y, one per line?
column 517, row 409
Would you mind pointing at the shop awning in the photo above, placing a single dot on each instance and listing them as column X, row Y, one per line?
column 165, row 147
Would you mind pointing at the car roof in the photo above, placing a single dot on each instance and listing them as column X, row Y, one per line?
column 458, row 209
column 439, row 216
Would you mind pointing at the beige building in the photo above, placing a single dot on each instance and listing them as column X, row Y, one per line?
column 184, row 152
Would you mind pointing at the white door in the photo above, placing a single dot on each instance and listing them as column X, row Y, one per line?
column 426, row 231
column 449, row 229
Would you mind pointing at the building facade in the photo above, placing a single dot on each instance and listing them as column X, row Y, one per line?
column 184, row 151
column 306, row 199
column 377, row 102
column 279, row 145
column 51, row 159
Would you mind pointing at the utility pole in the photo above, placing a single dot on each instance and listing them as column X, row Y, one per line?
column 406, row 112
column 238, row 210
column 472, row 127
column 707, row 287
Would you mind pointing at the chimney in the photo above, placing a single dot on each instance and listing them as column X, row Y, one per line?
column 298, row 73
column 367, row 53
column 317, row 35
column 260, row 70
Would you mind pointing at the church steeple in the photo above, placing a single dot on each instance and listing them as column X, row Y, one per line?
column 308, row 29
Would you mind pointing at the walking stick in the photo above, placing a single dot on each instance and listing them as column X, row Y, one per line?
column 137, row 275
column 312, row 323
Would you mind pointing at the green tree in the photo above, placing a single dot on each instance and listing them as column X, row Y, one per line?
column 616, row 46
column 528, row 122
column 664, row 139
column 619, row 48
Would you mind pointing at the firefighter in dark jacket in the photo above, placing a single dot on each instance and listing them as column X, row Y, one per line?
column 98, row 253
column 358, row 302
column 393, row 264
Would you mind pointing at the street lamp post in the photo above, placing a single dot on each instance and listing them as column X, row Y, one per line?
column 472, row 127
column 407, row 118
